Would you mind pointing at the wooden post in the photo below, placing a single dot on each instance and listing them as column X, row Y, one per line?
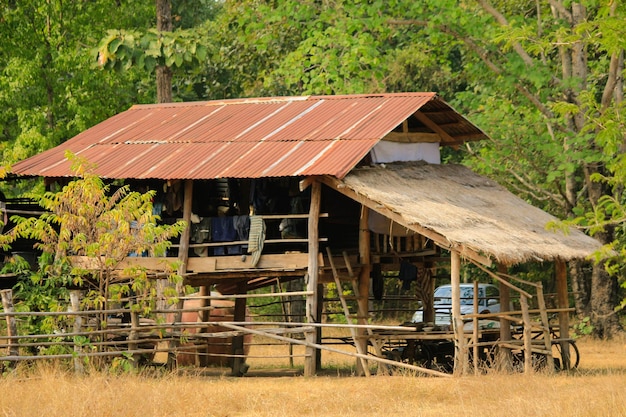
column 183, row 250
column 183, row 256
column 204, row 317
column 362, row 367
column 310, row 362
column 545, row 321
column 505, row 357
column 318, row 330
column 475, row 329
column 527, row 335
column 7, row 304
column 363, row 285
column 460, row 353
column 239, row 367
column 78, row 324
column 563, row 302
column 285, row 306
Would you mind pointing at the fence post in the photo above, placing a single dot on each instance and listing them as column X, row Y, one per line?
column 7, row 304
column 527, row 335
column 78, row 324
column 132, row 337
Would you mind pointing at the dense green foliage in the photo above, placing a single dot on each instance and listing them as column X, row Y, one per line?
column 542, row 78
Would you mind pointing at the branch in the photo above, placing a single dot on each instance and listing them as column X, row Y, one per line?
column 502, row 20
column 558, row 6
column 614, row 71
column 611, row 82
column 483, row 55
column 537, row 194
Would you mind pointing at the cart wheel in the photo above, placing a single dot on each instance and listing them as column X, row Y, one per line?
column 557, row 354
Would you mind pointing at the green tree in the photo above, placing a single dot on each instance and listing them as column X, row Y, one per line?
column 544, row 79
column 50, row 86
column 87, row 218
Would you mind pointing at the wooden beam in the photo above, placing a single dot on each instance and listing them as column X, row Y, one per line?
column 468, row 137
column 310, row 361
column 236, row 263
column 439, row 239
column 434, row 126
column 306, row 182
column 413, row 137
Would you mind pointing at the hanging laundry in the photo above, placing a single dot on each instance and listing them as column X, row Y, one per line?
column 223, row 230
column 408, row 274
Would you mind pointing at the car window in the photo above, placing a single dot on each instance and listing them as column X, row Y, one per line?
column 443, row 295
column 493, row 292
column 467, row 295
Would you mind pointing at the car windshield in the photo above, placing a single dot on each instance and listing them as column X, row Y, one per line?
column 443, row 295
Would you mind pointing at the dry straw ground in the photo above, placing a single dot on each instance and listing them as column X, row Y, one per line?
column 598, row 388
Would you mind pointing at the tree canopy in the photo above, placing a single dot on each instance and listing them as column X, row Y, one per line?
column 543, row 78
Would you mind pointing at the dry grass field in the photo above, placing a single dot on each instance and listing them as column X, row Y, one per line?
column 598, row 388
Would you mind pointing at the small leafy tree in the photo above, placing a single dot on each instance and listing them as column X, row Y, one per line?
column 87, row 218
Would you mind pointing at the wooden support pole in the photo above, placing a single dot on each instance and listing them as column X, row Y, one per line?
column 310, row 362
column 318, row 332
column 527, row 335
column 460, row 352
column 475, row 329
column 204, row 317
column 78, row 324
column 183, row 256
column 183, row 251
column 7, row 304
column 363, row 285
column 239, row 367
column 563, row 303
column 545, row 321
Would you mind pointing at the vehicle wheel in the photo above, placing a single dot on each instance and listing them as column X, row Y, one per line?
column 422, row 356
column 557, row 354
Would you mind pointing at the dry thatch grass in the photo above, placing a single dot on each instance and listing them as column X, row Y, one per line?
column 597, row 389
column 468, row 210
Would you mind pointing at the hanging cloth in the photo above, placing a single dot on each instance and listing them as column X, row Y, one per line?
column 256, row 238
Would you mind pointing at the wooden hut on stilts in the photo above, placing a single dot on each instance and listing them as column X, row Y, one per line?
column 333, row 189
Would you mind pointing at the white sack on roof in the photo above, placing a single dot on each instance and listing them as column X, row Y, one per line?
column 385, row 151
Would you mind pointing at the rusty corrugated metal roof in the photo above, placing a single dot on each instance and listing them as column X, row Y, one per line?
column 249, row 138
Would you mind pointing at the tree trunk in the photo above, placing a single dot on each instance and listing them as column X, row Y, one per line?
column 164, row 84
column 164, row 73
column 603, row 317
column 580, row 288
column 603, row 288
column 604, row 298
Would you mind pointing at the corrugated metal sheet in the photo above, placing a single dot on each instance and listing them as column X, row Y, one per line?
column 246, row 138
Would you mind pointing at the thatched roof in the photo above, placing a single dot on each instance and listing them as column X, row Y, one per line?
column 467, row 210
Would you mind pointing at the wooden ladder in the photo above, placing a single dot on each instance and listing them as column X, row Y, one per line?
column 360, row 313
